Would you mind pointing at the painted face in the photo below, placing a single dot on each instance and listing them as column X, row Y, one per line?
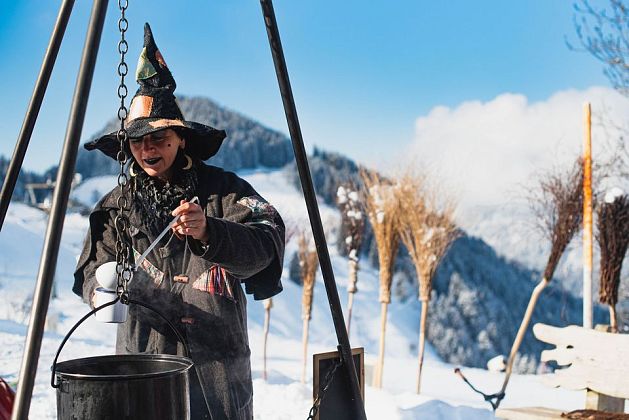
column 156, row 152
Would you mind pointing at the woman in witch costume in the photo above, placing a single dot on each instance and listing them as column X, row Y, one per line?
column 194, row 275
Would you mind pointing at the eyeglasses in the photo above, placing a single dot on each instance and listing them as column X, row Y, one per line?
column 154, row 138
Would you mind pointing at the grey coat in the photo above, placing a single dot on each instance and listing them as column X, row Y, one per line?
column 205, row 301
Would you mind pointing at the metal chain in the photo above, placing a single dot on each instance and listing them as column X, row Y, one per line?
column 121, row 222
column 327, row 381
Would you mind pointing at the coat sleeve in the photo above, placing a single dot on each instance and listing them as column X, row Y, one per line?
column 98, row 249
column 248, row 240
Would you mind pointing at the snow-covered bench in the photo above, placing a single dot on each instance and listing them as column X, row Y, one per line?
column 598, row 362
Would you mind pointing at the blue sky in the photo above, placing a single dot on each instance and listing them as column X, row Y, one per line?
column 362, row 72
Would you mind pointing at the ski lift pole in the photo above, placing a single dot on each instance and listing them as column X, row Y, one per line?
column 311, row 203
column 33, row 107
column 48, row 263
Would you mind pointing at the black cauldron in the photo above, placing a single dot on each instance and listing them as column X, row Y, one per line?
column 131, row 386
column 128, row 386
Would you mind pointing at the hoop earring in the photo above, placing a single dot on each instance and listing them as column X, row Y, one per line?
column 188, row 165
column 132, row 172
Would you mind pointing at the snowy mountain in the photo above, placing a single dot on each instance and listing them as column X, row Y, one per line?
column 473, row 308
column 479, row 295
column 483, row 284
column 248, row 145
column 480, row 291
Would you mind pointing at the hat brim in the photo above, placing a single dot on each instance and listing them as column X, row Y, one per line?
column 202, row 141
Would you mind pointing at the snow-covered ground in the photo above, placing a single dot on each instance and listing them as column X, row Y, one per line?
column 282, row 396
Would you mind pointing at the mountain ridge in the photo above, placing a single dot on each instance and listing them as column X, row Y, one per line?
column 248, row 145
column 479, row 296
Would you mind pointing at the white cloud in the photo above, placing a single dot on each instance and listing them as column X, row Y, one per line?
column 486, row 151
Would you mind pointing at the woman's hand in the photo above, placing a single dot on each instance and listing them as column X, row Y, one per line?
column 192, row 221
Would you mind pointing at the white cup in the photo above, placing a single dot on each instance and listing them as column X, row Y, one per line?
column 113, row 313
column 107, row 276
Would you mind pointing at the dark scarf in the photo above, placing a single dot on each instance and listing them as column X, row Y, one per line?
column 155, row 199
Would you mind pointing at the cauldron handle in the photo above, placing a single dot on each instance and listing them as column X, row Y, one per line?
column 93, row 311
column 181, row 338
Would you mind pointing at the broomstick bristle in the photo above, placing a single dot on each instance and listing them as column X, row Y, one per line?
column 558, row 207
column 308, row 264
column 426, row 227
column 383, row 212
column 613, row 239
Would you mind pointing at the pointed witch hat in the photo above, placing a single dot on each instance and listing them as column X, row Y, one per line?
column 154, row 108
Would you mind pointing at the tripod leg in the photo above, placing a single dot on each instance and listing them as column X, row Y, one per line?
column 48, row 263
column 33, row 107
column 312, row 206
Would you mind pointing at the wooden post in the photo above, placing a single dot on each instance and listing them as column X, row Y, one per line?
column 377, row 378
column 304, row 344
column 587, row 218
column 268, row 304
column 350, row 305
column 308, row 267
column 351, row 289
column 422, row 342
column 613, row 319
column 537, row 291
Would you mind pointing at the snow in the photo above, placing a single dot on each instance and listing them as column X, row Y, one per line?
column 90, row 191
column 282, row 396
column 612, row 194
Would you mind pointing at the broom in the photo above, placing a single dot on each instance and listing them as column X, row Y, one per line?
column 308, row 263
column 559, row 211
column 383, row 211
column 558, row 207
column 353, row 226
column 427, row 233
column 613, row 239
